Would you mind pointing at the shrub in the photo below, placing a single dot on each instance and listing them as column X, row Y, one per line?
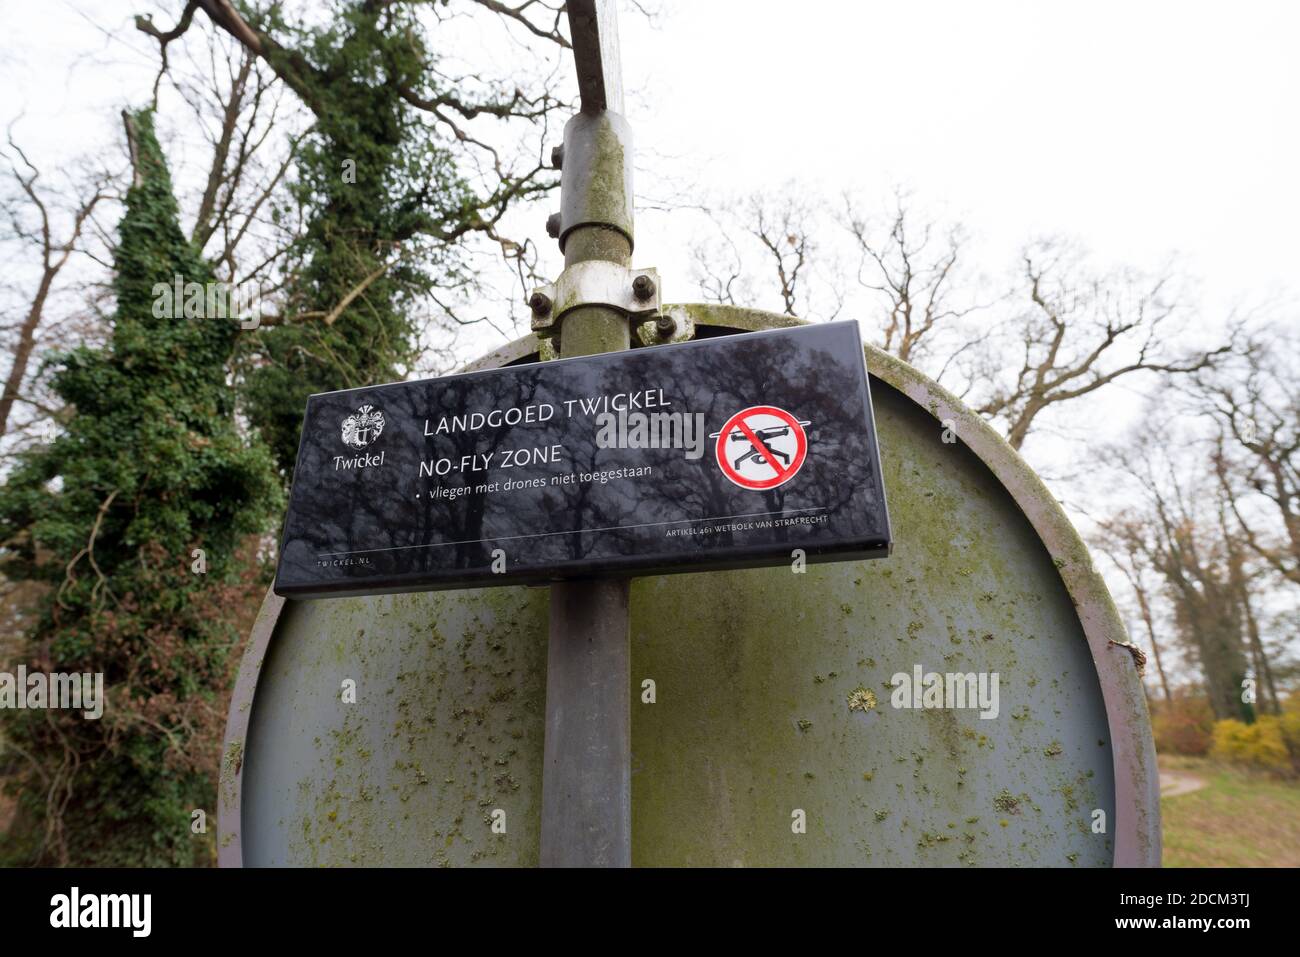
column 1184, row 725
column 1272, row 743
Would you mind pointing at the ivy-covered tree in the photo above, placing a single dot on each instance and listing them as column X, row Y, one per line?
column 382, row 183
column 134, row 518
column 368, row 181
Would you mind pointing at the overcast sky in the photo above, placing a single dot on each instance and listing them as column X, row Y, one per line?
column 1143, row 128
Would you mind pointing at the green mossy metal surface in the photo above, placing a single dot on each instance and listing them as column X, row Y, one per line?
column 447, row 726
column 762, row 707
column 760, row 679
column 596, row 182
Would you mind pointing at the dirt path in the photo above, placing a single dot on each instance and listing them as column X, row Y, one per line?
column 1174, row 783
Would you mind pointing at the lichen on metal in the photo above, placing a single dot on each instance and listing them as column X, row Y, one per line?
column 763, row 684
column 596, row 179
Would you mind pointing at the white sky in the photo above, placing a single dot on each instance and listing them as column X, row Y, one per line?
column 1144, row 129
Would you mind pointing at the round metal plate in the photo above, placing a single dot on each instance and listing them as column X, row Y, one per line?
column 760, row 708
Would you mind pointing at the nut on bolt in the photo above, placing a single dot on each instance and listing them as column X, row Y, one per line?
column 540, row 303
column 557, row 157
column 643, row 287
column 553, row 225
column 665, row 326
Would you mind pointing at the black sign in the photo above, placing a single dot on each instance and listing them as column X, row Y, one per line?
column 726, row 452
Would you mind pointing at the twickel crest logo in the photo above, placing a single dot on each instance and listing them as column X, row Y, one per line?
column 362, row 427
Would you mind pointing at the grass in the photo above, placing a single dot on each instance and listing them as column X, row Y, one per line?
column 1239, row 819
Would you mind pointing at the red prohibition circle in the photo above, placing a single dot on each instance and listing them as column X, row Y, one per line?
column 738, row 422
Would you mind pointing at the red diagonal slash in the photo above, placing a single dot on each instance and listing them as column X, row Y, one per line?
column 768, row 456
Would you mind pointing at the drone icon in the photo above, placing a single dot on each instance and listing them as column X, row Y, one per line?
column 767, row 453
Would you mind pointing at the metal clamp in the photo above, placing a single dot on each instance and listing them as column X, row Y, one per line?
column 633, row 292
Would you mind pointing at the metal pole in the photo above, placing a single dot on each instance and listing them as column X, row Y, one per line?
column 586, row 775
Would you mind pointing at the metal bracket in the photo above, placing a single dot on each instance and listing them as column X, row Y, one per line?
column 633, row 292
column 673, row 324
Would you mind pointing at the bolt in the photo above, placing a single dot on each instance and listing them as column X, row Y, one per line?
column 643, row 287
column 553, row 225
column 665, row 326
column 557, row 156
column 540, row 303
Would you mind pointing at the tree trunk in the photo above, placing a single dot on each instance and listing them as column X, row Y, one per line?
column 23, row 354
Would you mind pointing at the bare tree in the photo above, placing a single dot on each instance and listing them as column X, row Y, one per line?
column 1122, row 540
column 449, row 107
column 760, row 236
column 1080, row 331
column 239, row 108
column 782, row 229
column 763, row 249
column 1064, row 330
column 1243, row 577
column 912, row 267
column 1177, row 529
column 720, row 267
column 52, row 223
column 1255, row 398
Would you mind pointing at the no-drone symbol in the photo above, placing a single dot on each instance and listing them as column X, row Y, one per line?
column 761, row 447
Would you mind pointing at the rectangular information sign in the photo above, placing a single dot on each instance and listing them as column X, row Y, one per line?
column 727, row 452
